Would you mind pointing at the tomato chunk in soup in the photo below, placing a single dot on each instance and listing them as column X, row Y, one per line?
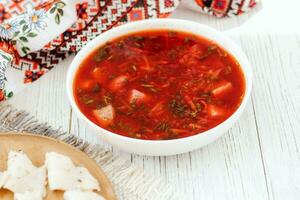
column 159, row 85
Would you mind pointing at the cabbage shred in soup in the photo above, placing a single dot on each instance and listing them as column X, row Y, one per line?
column 159, row 85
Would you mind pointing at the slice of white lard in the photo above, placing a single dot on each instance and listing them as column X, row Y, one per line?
column 22, row 176
column 64, row 175
column 34, row 195
column 82, row 195
column 3, row 177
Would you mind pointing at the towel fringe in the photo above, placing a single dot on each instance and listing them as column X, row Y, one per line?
column 129, row 181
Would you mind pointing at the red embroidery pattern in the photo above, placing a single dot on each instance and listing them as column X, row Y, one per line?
column 95, row 17
column 3, row 13
column 224, row 8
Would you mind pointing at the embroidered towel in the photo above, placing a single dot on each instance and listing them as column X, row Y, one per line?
column 37, row 35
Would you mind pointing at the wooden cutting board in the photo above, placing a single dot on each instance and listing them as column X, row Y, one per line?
column 36, row 147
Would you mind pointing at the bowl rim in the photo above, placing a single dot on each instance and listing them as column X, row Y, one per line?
column 94, row 44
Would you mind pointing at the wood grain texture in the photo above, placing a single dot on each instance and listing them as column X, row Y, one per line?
column 276, row 106
column 257, row 159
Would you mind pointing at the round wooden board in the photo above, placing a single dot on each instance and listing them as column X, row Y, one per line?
column 36, row 147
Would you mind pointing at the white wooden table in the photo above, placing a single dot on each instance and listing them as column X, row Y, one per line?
column 259, row 157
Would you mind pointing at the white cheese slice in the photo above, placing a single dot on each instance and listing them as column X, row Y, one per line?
column 136, row 96
column 105, row 115
column 63, row 175
column 3, row 177
column 34, row 195
column 22, row 176
column 82, row 195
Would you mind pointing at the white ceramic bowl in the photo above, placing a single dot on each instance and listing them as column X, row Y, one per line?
column 162, row 147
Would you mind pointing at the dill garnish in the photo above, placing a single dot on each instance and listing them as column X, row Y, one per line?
column 150, row 87
column 120, row 126
column 101, row 54
column 178, row 107
column 162, row 126
column 172, row 33
column 107, row 99
column 86, row 99
column 96, row 88
column 208, row 52
column 147, row 85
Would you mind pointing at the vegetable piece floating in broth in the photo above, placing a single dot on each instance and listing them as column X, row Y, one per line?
column 159, row 85
column 137, row 97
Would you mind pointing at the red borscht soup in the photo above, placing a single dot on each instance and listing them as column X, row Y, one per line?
column 159, row 85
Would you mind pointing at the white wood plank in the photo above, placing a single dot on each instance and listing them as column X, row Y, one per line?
column 230, row 168
column 221, row 24
column 276, row 102
column 46, row 99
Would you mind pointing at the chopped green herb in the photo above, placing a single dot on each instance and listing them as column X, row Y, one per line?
column 198, row 107
column 96, row 88
column 186, row 40
column 194, row 81
column 139, row 41
column 178, row 107
column 147, row 85
column 129, row 112
column 139, row 45
column 194, row 113
column 142, row 107
column 10, row 94
column 208, row 52
column 86, row 99
column 107, row 99
column 89, row 101
column 111, row 77
column 121, row 126
column 79, row 90
column 150, row 87
column 222, row 53
column 193, row 126
column 153, row 90
column 228, row 70
column 101, row 54
column 206, row 96
column 162, row 126
column 133, row 104
column 172, row 33
column 180, row 48
column 139, row 38
column 172, row 54
column 121, row 44
column 212, row 48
